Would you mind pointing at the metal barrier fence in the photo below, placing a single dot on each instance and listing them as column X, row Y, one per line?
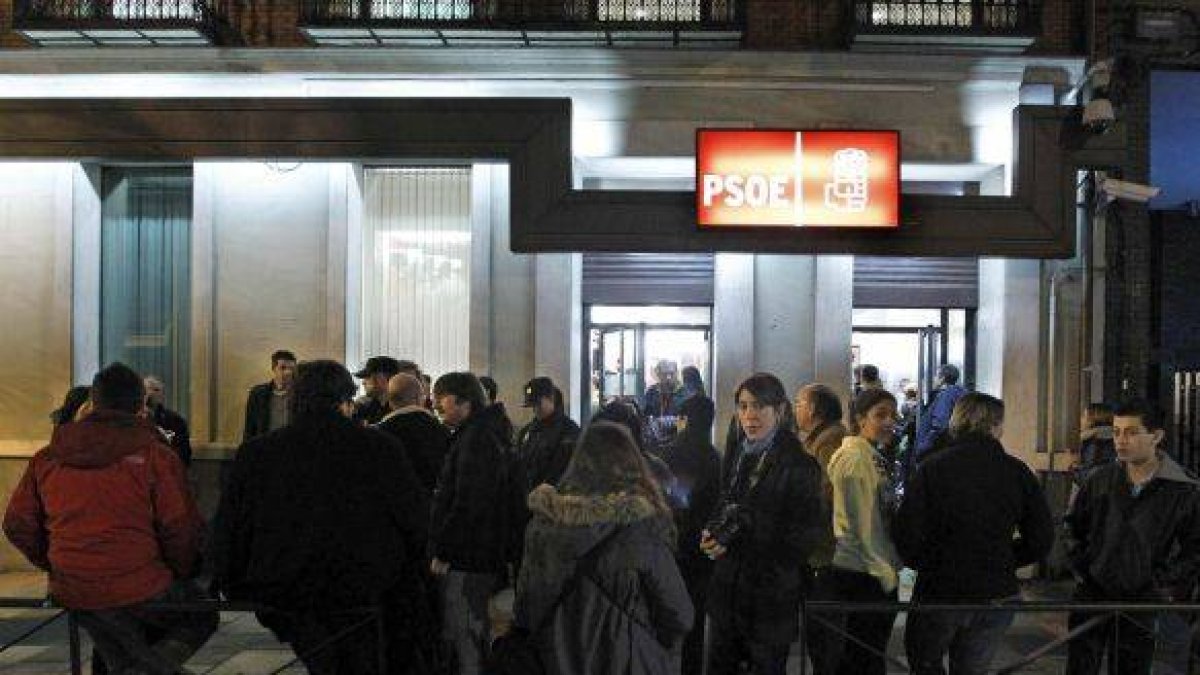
column 372, row 615
column 1099, row 614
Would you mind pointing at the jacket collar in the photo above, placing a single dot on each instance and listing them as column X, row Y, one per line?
column 1170, row 470
column 406, row 410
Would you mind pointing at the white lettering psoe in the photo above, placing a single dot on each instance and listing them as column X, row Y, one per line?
column 754, row 190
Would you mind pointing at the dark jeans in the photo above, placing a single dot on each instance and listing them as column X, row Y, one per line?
column 970, row 638
column 135, row 639
column 731, row 648
column 1127, row 641
column 832, row 652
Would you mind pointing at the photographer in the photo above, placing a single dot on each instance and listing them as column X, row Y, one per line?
column 770, row 519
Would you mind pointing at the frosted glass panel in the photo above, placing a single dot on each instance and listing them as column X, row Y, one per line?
column 416, row 266
column 145, row 275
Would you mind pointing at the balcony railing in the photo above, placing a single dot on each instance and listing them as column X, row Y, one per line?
column 522, row 22
column 68, row 23
column 959, row 22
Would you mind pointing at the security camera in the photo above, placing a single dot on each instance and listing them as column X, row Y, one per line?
column 1098, row 115
column 1134, row 192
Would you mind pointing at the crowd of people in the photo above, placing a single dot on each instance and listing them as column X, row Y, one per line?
column 386, row 523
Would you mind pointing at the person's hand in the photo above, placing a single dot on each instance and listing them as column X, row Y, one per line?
column 439, row 568
column 710, row 547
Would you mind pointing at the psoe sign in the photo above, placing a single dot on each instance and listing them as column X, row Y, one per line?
column 771, row 178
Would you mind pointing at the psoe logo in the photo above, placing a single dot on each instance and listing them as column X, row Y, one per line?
column 849, row 190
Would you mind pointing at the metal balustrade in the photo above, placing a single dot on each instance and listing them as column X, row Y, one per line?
column 528, row 14
column 980, row 17
column 118, row 22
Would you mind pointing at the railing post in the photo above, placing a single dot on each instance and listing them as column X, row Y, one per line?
column 803, row 636
column 73, row 640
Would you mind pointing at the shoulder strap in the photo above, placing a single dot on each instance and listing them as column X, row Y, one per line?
column 585, row 562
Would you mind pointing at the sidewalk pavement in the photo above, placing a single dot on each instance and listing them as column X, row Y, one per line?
column 242, row 647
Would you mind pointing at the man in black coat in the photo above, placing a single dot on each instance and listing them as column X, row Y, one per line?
column 545, row 445
column 375, row 375
column 1133, row 535
column 269, row 405
column 322, row 518
column 424, row 438
column 173, row 424
column 471, row 529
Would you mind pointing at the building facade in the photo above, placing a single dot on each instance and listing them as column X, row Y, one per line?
column 230, row 182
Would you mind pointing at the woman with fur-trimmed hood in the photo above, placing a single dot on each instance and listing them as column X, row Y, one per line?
column 629, row 610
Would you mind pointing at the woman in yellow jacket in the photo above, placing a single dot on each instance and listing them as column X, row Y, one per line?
column 865, row 563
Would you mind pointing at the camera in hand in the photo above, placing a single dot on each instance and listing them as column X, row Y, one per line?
column 729, row 524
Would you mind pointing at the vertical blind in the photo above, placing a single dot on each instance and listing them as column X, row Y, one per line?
column 416, row 266
column 145, row 254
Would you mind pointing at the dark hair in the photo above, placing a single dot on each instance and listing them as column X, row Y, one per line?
column 321, row 386
column 949, row 373
column 607, row 460
column 559, row 403
column 118, row 387
column 282, row 355
column 1150, row 414
column 691, row 378
column 72, row 402
column 490, row 388
column 765, row 387
column 463, row 386
column 769, row 391
column 410, row 367
column 1099, row 414
column 826, row 405
column 867, row 399
column 619, row 412
column 870, row 373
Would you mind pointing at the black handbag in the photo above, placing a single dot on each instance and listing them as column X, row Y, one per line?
column 516, row 652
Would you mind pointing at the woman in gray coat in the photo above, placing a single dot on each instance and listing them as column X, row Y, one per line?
column 628, row 610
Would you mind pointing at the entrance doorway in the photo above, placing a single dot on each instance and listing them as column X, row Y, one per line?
column 908, row 346
column 624, row 342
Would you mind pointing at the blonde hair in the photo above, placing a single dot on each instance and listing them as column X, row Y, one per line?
column 977, row 414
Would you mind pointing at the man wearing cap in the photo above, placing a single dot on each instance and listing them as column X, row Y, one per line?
column 545, row 444
column 372, row 406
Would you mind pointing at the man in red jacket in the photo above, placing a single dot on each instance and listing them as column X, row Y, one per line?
column 105, row 509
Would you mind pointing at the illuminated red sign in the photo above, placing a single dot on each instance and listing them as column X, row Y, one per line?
column 754, row 178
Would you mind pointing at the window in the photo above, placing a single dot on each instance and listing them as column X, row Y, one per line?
column 432, row 10
column 416, row 266
column 145, row 271
column 649, row 10
column 952, row 14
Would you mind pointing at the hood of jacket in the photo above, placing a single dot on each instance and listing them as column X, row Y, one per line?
column 588, row 510
column 101, row 439
column 1171, row 470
